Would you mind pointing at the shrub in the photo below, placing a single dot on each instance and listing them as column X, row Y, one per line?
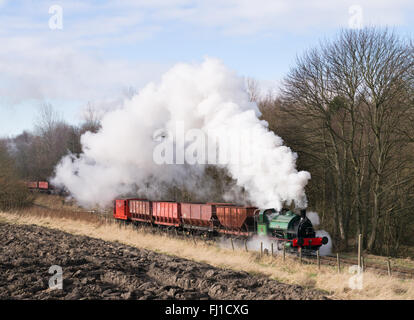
column 13, row 192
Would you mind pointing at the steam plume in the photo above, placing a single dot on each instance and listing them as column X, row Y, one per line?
column 119, row 158
column 327, row 248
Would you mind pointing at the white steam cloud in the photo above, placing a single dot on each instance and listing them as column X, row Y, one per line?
column 313, row 217
column 325, row 249
column 119, row 158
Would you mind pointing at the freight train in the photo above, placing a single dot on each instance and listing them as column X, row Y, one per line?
column 40, row 186
column 290, row 230
column 45, row 187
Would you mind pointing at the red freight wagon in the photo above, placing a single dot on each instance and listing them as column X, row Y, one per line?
column 121, row 209
column 32, row 184
column 198, row 215
column 44, row 185
column 235, row 219
column 166, row 213
column 140, row 210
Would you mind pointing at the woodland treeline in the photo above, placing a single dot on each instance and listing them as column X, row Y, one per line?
column 346, row 108
column 32, row 156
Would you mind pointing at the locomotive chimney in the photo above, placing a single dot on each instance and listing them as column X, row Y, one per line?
column 303, row 213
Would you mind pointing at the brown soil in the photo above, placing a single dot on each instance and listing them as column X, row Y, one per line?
column 96, row 269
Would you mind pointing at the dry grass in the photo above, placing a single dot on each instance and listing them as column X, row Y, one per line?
column 56, row 202
column 405, row 263
column 335, row 285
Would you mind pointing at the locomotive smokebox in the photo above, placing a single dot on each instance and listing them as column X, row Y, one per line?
column 303, row 213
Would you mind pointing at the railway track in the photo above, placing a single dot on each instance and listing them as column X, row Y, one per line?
column 325, row 260
column 372, row 266
column 399, row 272
column 403, row 273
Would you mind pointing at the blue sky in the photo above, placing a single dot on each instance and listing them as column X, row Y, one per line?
column 105, row 47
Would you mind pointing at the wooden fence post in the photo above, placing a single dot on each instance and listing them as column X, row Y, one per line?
column 261, row 249
column 272, row 249
column 319, row 259
column 338, row 263
column 284, row 252
column 362, row 264
column 389, row 266
column 245, row 245
column 300, row 254
column 232, row 245
column 359, row 250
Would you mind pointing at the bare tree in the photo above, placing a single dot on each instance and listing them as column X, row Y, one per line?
column 52, row 140
column 13, row 192
column 91, row 119
column 253, row 89
column 47, row 118
column 354, row 95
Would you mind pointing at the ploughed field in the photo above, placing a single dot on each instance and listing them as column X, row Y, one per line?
column 96, row 269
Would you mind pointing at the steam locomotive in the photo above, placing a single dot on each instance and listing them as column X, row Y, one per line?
column 290, row 230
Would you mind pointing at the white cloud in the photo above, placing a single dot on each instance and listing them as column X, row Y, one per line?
column 72, row 63
column 32, row 68
column 110, row 19
column 250, row 17
column 246, row 17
